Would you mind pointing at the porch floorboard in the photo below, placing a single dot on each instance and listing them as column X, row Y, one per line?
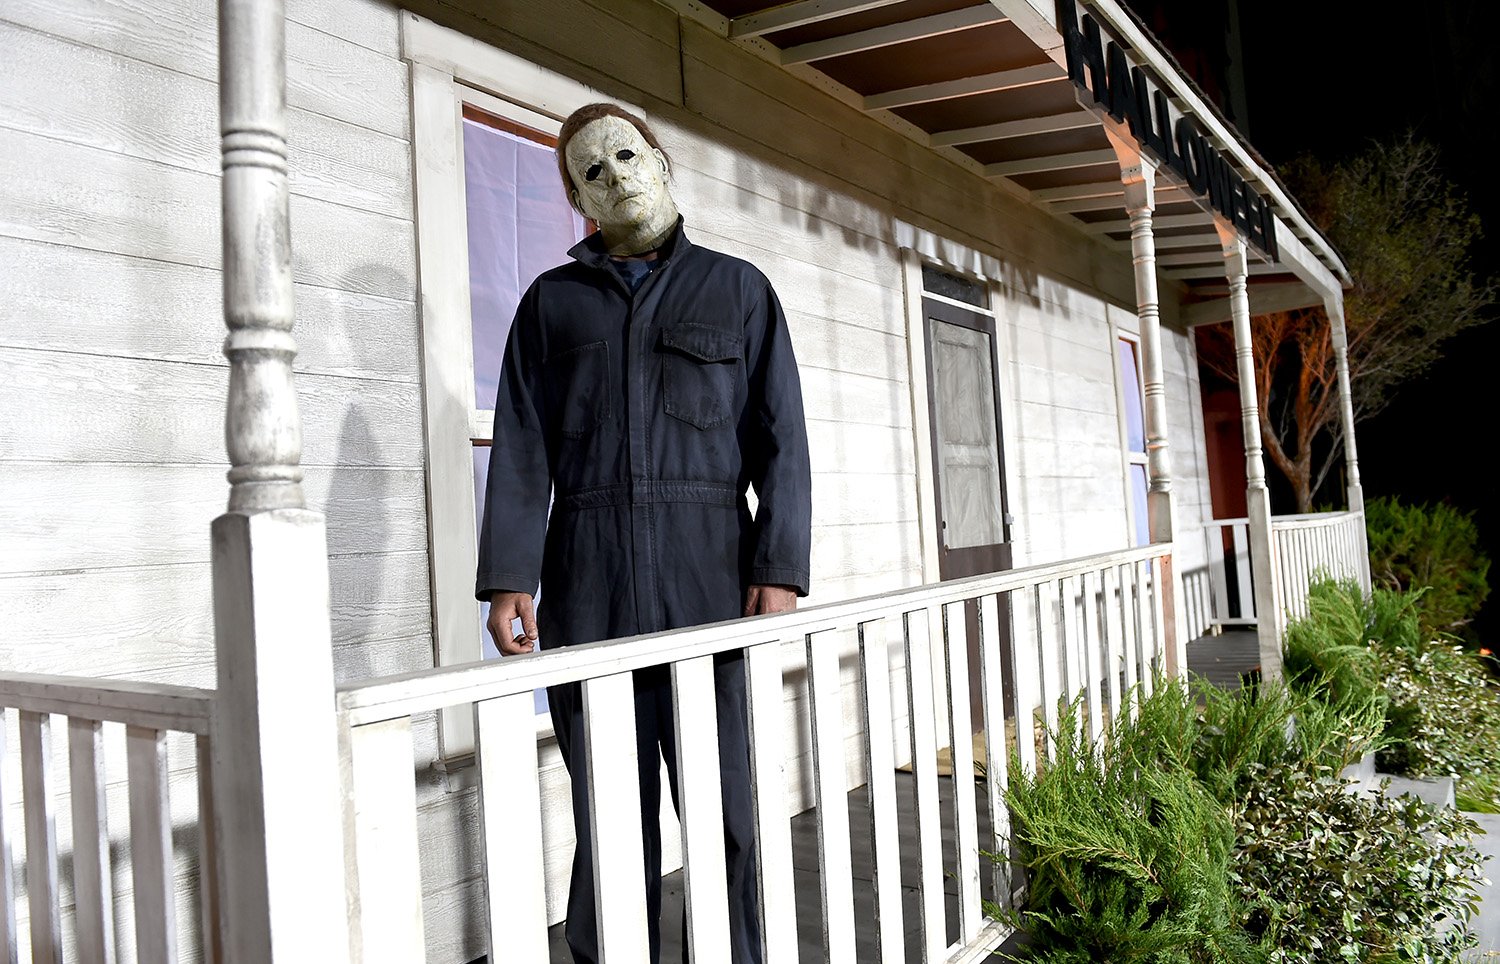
column 1224, row 660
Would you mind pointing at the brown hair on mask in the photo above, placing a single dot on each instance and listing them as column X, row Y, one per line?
column 580, row 119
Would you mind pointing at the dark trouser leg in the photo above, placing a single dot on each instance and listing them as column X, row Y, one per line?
column 582, row 927
column 739, row 814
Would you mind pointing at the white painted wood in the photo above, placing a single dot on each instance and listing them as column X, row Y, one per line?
column 903, row 31
column 511, row 807
column 1130, row 640
column 1050, row 162
column 700, row 809
column 1093, row 653
column 921, row 416
column 151, row 846
column 964, row 87
column 798, row 13
column 448, row 379
column 154, row 705
column 885, row 840
column 614, row 802
column 8, row 935
column 1110, row 633
column 41, row 837
column 1146, row 627
column 1159, row 622
column 1026, row 126
column 773, row 836
column 918, row 631
column 1028, row 663
column 1198, row 220
column 836, row 877
column 209, row 831
column 961, row 731
column 384, row 873
column 93, row 898
column 997, row 755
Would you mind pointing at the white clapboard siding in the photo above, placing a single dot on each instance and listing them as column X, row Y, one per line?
column 348, row 422
column 836, row 346
column 64, row 298
column 838, row 445
column 125, row 515
column 325, row 74
column 369, row 23
column 67, row 194
column 122, row 105
column 847, row 499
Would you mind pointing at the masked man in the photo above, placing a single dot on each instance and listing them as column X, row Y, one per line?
column 646, row 387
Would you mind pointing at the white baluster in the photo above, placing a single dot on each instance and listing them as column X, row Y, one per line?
column 41, row 837
column 151, row 846
column 93, row 901
column 880, row 764
column 210, row 903
column 765, row 693
column 837, row 877
column 996, row 762
column 614, row 806
column 8, row 935
column 960, row 725
column 511, row 824
column 918, row 629
column 385, row 870
column 701, row 809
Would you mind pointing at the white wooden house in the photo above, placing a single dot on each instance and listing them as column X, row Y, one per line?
column 991, row 281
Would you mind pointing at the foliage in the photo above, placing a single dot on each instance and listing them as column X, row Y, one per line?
column 1309, row 852
column 1206, row 828
column 1432, row 547
column 1405, row 233
column 1126, row 863
column 1327, row 652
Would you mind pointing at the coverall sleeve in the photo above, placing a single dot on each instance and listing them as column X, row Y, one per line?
column 519, row 487
column 779, row 467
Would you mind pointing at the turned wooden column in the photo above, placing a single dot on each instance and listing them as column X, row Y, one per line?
column 1268, row 613
column 275, row 760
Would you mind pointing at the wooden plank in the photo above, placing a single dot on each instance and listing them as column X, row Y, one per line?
column 825, row 712
column 961, row 730
column 1025, row 127
column 1051, row 162
column 369, row 23
column 901, row 32
column 1158, row 619
column 67, row 194
column 151, row 846
column 997, row 756
column 798, row 13
column 91, row 97
column 381, row 838
column 511, row 827
column 8, row 934
column 1130, row 641
column 150, row 411
column 965, row 87
column 41, row 837
column 700, row 809
column 917, row 632
column 211, row 904
column 773, row 836
column 61, row 298
column 1020, row 652
column 54, row 519
column 125, row 701
column 614, row 809
column 1111, row 628
column 93, row 900
column 1091, row 640
column 885, row 840
column 1143, row 619
column 325, row 74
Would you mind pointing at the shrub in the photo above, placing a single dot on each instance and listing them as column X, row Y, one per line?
column 1328, row 650
column 1433, row 548
column 1337, row 876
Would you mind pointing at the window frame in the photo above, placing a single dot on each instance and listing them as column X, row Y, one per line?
column 448, row 70
column 1129, row 457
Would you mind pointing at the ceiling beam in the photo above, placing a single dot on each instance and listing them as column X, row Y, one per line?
column 965, row 87
column 797, row 14
column 1113, row 188
column 1165, row 221
column 896, row 33
column 1210, row 238
column 1110, row 202
column 1217, row 271
column 1052, row 162
column 1264, row 299
column 1049, row 124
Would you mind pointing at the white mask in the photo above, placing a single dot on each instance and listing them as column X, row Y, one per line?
column 620, row 182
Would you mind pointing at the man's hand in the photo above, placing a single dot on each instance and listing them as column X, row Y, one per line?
column 505, row 606
column 760, row 600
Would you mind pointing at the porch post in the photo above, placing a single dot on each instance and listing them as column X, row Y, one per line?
column 1356, row 491
column 1138, row 174
column 275, row 760
column 1257, row 496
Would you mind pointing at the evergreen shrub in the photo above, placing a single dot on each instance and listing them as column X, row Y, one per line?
column 1433, row 549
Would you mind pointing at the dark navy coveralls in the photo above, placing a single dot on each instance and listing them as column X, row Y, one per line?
column 647, row 415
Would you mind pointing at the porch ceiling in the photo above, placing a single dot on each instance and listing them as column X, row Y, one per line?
column 984, row 83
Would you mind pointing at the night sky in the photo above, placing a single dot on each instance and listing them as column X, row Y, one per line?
column 1327, row 78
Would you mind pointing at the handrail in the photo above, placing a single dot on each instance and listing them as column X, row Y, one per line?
column 157, row 706
column 1311, row 520
column 405, row 694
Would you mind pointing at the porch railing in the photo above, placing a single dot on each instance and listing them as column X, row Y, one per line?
column 1091, row 627
column 1304, row 547
column 152, row 716
column 1313, row 546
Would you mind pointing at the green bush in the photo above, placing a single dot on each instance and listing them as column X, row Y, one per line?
column 1433, row 548
column 1338, row 876
column 1206, row 828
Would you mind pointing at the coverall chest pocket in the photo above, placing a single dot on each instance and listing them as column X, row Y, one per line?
column 700, row 367
column 579, row 378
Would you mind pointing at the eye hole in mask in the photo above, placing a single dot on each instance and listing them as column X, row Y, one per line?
column 592, row 174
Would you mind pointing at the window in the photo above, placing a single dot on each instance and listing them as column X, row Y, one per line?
column 491, row 216
column 1133, row 437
